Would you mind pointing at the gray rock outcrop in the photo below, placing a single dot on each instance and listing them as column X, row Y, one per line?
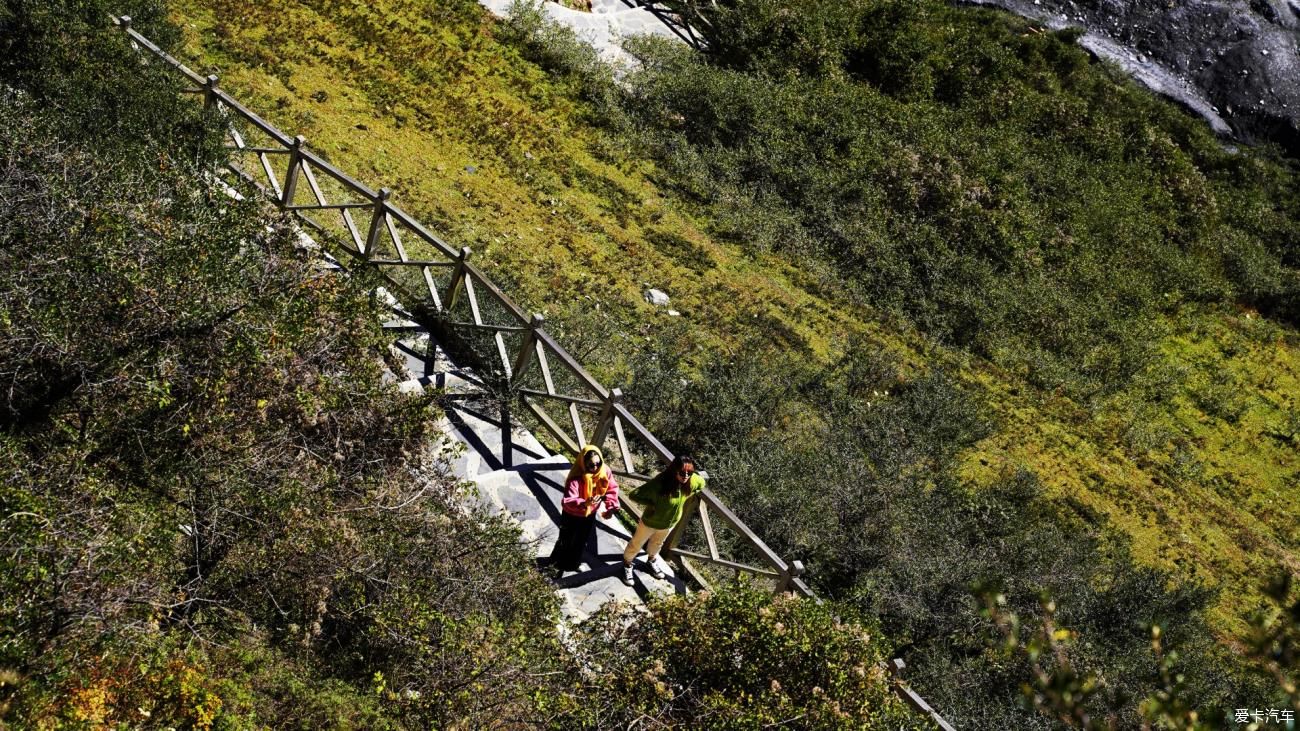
column 1234, row 62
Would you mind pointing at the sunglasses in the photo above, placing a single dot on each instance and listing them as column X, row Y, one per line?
column 685, row 473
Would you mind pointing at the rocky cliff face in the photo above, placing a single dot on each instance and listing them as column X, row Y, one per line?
column 1234, row 62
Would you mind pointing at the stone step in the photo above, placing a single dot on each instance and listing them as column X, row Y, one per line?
column 527, row 485
column 530, row 493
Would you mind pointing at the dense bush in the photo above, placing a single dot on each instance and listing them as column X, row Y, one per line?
column 215, row 513
column 741, row 658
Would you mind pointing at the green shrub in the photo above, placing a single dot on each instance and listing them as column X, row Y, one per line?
column 863, row 489
column 740, row 658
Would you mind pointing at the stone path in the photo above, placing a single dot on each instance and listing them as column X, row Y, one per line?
column 605, row 27
column 529, row 489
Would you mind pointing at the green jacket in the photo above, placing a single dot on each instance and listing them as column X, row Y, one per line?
column 663, row 506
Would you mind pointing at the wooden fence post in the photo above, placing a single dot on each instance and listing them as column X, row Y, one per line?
column 507, row 436
column 606, row 418
column 457, row 279
column 295, row 167
column 791, row 572
column 525, row 357
column 377, row 222
column 210, row 91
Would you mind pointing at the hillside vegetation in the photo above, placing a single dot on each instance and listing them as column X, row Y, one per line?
column 215, row 513
column 957, row 302
column 959, row 307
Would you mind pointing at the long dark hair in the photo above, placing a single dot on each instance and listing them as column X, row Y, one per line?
column 668, row 478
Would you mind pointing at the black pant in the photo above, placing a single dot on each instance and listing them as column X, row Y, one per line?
column 575, row 532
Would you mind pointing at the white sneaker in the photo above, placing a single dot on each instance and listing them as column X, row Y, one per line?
column 627, row 574
column 655, row 571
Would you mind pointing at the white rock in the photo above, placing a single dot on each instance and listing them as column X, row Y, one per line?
column 656, row 297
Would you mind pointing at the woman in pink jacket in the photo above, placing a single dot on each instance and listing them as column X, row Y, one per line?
column 590, row 483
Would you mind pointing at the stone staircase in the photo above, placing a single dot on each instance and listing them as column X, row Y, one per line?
column 528, row 485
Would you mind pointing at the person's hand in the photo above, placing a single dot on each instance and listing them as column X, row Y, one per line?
column 607, row 514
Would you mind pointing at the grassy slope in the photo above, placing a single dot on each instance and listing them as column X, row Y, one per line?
column 1191, row 461
column 1202, row 486
column 415, row 103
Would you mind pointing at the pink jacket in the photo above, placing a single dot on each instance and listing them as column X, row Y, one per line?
column 573, row 504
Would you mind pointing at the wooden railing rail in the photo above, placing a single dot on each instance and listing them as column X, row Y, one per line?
column 383, row 230
column 910, row 697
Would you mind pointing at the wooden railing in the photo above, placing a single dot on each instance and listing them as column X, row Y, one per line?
column 443, row 288
column 447, row 287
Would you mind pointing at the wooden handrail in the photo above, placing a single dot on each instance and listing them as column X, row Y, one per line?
column 615, row 418
column 551, row 426
column 662, row 452
column 425, row 234
column 266, row 127
column 481, row 279
column 124, row 22
column 560, row 397
column 708, row 498
column 485, row 326
column 411, row 263
column 319, row 163
column 324, row 206
column 260, row 150
column 727, row 564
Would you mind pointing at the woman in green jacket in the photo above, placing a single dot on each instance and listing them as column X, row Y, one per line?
column 663, row 498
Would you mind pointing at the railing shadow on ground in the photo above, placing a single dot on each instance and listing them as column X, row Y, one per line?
column 480, row 325
column 673, row 19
